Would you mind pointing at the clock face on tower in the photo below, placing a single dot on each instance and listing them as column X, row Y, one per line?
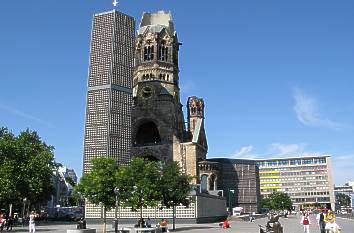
column 146, row 92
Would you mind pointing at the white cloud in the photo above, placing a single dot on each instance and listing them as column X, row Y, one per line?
column 16, row 112
column 307, row 111
column 187, row 86
column 278, row 149
column 287, row 149
column 245, row 152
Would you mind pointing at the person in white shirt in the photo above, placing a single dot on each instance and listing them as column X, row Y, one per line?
column 331, row 226
column 305, row 221
column 321, row 221
column 32, row 225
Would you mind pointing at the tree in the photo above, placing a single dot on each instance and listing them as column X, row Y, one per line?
column 138, row 184
column 175, row 187
column 266, row 203
column 98, row 185
column 26, row 168
column 343, row 199
column 280, row 201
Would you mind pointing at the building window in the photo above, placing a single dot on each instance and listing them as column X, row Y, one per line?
column 162, row 53
column 148, row 53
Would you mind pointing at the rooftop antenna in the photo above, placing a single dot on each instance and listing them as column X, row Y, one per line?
column 115, row 3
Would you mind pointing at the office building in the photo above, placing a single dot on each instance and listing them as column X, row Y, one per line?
column 307, row 180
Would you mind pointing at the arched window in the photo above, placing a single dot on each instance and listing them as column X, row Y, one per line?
column 212, row 182
column 147, row 133
column 148, row 53
column 204, row 183
column 162, row 53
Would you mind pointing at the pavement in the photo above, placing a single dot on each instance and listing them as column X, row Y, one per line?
column 290, row 225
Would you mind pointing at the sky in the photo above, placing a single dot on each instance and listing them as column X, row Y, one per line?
column 276, row 76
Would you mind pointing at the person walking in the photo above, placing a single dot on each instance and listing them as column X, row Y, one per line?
column 10, row 223
column 32, row 224
column 332, row 226
column 321, row 221
column 305, row 221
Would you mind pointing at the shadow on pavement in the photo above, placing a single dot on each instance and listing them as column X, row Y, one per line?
column 192, row 228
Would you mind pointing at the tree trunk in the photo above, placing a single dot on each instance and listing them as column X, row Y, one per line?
column 104, row 219
column 174, row 217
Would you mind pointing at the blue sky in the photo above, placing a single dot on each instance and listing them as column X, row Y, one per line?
column 276, row 76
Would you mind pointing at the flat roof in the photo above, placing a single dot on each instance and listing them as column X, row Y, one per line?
column 297, row 157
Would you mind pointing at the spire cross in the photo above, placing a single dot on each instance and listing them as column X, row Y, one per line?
column 115, row 3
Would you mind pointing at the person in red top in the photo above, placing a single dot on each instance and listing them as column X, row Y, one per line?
column 163, row 225
column 2, row 222
column 226, row 224
column 305, row 220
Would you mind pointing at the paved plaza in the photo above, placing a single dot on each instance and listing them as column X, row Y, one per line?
column 291, row 225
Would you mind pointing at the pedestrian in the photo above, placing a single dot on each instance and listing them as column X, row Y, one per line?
column 10, row 223
column 163, row 225
column 2, row 222
column 32, row 224
column 148, row 222
column 332, row 226
column 305, row 221
column 321, row 221
column 330, row 215
column 226, row 224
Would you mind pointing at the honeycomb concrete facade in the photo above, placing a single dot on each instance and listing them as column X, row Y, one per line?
column 238, row 179
column 109, row 95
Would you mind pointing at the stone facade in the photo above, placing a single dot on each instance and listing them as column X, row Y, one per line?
column 158, row 128
column 159, row 132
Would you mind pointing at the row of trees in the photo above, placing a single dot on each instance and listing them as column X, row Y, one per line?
column 26, row 165
column 277, row 201
column 142, row 183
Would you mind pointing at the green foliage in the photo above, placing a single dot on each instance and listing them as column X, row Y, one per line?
column 26, row 168
column 142, row 183
column 277, row 201
column 343, row 199
column 175, row 186
column 70, row 181
column 266, row 203
column 98, row 185
column 138, row 184
column 75, row 198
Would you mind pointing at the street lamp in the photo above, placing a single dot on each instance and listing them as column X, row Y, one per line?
column 116, row 192
column 23, row 210
column 229, row 197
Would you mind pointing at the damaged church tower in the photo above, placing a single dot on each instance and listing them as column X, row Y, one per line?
column 158, row 127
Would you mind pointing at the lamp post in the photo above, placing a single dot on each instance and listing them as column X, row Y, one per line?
column 229, row 197
column 116, row 192
column 23, row 210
